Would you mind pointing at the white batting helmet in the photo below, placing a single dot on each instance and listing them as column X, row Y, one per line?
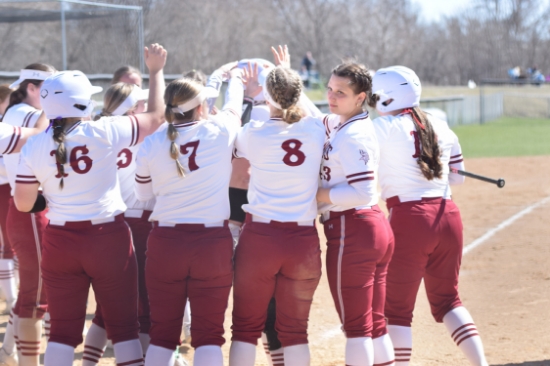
column 398, row 87
column 68, row 94
column 264, row 67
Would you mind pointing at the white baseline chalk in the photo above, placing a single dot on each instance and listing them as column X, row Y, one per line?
column 502, row 225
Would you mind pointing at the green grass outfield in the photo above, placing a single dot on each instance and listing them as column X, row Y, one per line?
column 507, row 136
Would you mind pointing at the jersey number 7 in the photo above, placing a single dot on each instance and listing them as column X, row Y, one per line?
column 184, row 149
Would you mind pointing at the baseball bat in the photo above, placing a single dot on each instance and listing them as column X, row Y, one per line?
column 499, row 182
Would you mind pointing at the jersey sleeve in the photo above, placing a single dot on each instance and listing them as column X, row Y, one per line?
column 33, row 118
column 358, row 160
column 9, row 137
column 25, row 173
column 144, row 183
column 234, row 98
column 123, row 131
column 214, row 84
column 241, row 143
column 456, row 162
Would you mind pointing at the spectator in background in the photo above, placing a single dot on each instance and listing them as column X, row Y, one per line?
column 127, row 74
column 307, row 63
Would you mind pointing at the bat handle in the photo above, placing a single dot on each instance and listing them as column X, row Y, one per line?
column 500, row 183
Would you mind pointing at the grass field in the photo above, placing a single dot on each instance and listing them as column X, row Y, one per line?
column 505, row 137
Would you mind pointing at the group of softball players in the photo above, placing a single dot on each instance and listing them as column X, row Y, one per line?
column 163, row 202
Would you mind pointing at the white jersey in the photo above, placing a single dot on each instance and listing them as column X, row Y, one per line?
column 91, row 188
column 202, row 196
column 21, row 115
column 126, row 169
column 399, row 173
column 350, row 159
column 260, row 112
column 285, row 160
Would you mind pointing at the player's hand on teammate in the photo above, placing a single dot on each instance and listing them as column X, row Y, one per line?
column 227, row 68
column 155, row 57
column 281, row 56
column 250, row 79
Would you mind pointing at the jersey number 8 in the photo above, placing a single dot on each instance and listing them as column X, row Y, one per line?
column 294, row 156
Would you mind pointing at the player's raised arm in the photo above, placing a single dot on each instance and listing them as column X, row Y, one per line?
column 155, row 58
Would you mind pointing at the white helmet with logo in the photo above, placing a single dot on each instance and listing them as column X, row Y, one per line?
column 68, row 94
column 398, row 87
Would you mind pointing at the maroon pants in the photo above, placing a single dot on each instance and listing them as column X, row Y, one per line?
column 281, row 260
column 359, row 248
column 428, row 244
column 5, row 248
column 79, row 254
column 140, row 227
column 25, row 232
column 188, row 261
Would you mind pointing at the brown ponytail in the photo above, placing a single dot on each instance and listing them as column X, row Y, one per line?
column 285, row 87
column 114, row 96
column 178, row 92
column 58, row 126
column 20, row 94
column 429, row 160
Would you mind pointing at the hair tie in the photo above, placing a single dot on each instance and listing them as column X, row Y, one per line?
column 410, row 111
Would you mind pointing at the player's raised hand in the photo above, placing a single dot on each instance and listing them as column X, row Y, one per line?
column 155, row 57
column 281, row 56
column 251, row 85
column 226, row 69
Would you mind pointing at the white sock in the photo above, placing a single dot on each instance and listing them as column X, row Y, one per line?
column 128, row 353
column 159, row 356
column 144, row 340
column 383, row 351
column 7, row 281
column 461, row 326
column 47, row 325
column 297, row 355
column 208, row 356
column 242, row 354
column 9, row 339
column 29, row 332
column 401, row 338
column 94, row 345
column 58, row 354
column 359, row 351
column 16, row 271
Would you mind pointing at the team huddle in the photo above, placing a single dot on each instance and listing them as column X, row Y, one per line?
column 163, row 203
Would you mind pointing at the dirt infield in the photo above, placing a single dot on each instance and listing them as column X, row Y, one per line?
column 505, row 282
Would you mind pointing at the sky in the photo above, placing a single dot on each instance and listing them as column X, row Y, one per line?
column 433, row 10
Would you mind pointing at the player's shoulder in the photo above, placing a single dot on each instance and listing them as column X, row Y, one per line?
column 388, row 120
column 36, row 142
column 260, row 113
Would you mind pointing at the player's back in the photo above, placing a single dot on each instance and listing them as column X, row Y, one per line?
column 285, row 160
column 90, row 184
column 400, row 147
column 205, row 149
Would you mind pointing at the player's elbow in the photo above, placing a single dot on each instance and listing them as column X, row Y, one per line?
column 456, row 180
column 23, row 202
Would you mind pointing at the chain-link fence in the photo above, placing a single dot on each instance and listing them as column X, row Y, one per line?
column 82, row 35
